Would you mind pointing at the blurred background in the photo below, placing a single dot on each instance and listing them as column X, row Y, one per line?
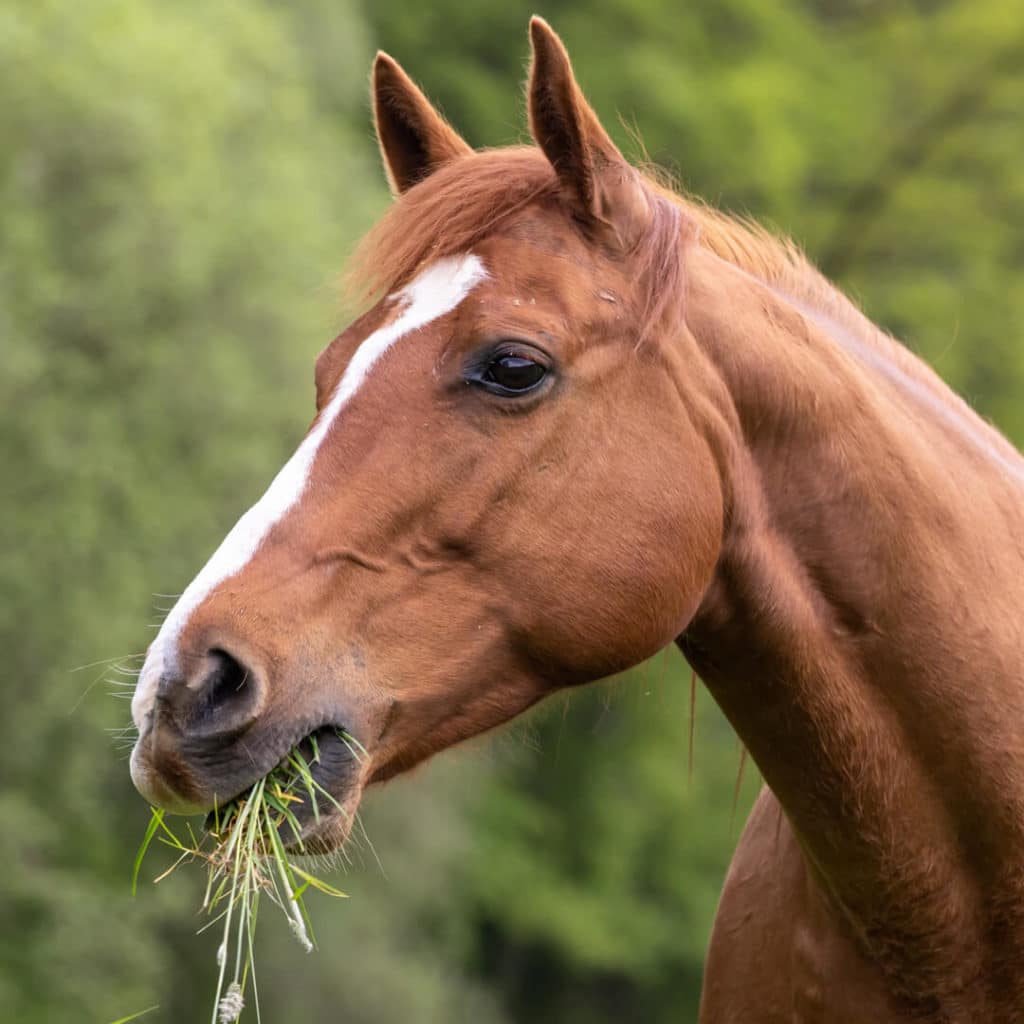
column 180, row 185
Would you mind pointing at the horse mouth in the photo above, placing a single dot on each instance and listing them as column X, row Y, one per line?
column 316, row 782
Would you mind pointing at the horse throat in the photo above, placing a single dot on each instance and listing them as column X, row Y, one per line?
column 861, row 633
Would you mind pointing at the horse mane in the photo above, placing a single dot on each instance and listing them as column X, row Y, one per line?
column 779, row 262
column 464, row 201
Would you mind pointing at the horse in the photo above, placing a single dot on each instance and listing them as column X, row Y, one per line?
column 585, row 418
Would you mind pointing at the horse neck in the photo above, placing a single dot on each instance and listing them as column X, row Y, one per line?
column 862, row 629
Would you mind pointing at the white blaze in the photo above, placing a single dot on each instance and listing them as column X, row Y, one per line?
column 435, row 291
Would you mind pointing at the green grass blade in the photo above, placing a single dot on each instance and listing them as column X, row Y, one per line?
column 346, row 737
column 135, row 1016
column 304, row 927
column 154, row 823
column 317, row 883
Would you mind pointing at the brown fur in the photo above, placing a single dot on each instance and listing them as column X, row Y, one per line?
column 834, row 539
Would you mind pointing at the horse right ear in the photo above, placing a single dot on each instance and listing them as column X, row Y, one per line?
column 602, row 189
column 414, row 138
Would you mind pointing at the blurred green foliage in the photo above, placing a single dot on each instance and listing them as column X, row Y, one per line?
column 179, row 185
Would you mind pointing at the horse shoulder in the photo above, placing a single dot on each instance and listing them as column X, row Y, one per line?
column 777, row 953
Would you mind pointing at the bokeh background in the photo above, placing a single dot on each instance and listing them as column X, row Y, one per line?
column 180, row 184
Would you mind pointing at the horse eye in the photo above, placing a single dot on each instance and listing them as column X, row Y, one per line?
column 514, row 374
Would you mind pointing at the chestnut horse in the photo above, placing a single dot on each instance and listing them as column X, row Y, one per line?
column 587, row 419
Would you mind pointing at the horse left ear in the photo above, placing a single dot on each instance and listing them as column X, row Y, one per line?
column 414, row 138
column 602, row 189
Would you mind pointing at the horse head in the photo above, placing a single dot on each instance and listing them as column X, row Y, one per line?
column 507, row 488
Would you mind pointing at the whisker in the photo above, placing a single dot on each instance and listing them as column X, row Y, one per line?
column 369, row 843
column 736, row 790
column 561, row 727
column 606, row 707
column 125, row 732
column 693, row 710
column 100, row 677
column 108, row 661
column 527, row 735
column 248, row 753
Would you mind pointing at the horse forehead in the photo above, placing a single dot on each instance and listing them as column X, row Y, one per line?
column 542, row 238
column 547, row 264
column 542, row 229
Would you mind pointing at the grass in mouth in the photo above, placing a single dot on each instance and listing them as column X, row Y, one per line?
column 246, row 859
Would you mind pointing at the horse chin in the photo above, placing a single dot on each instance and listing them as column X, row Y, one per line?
column 323, row 837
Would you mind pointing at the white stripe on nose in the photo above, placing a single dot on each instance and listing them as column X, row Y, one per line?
column 435, row 291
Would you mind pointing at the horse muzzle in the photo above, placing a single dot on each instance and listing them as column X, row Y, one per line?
column 207, row 737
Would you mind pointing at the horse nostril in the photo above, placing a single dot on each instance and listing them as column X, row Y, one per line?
column 229, row 695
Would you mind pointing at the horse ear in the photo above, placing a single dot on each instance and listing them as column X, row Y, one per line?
column 414, row 138
column 601, row 187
